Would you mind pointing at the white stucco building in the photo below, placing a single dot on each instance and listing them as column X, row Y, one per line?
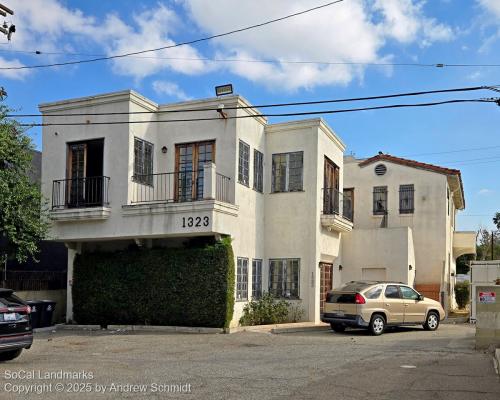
column 168, row 180
column 404, row 225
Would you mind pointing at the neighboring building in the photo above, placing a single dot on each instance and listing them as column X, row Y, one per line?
column 404, row 224
column 165, row 182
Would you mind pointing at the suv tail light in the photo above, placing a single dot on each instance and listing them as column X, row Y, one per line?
column 358, row 299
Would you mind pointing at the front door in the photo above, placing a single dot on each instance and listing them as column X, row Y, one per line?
column 325, row 283
column 190, row 159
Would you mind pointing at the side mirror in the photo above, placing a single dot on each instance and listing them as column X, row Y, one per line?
column 420, row 297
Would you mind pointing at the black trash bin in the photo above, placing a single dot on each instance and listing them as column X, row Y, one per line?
column 48, row 307
column 36, row 312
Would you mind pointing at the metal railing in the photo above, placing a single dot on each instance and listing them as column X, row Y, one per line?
column 35, row 280
column 178, row 187
column 80, row 192
column 335, row 203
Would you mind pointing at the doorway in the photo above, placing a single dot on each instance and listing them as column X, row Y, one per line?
column 85, row 181
column 326, row 283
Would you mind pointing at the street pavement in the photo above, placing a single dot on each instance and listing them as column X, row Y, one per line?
column 406, row 363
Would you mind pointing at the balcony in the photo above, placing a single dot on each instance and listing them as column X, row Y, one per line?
column 183, row 202
column 337, row 211
column 80, row 198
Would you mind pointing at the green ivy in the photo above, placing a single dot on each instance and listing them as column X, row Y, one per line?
column 182, row 287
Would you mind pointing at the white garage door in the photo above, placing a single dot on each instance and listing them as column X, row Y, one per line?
column 373, row 274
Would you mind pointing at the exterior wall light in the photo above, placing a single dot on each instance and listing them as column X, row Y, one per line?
column 340, row 267
column 164, row 149
column 410, row 267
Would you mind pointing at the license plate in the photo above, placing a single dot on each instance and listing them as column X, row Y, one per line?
column 9, row 317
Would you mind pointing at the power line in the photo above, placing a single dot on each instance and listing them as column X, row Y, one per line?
column 240, row 60
column 302, row 103
column 456, row 101
column 452, row 151
column 174, row 45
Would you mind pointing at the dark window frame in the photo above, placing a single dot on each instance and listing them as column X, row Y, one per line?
column 284, row 168
column 288, row 283
column 143, row 167
column 258, row 171
column 399, row 292
column 407, row 204
column 244, row 163
column 380, row 200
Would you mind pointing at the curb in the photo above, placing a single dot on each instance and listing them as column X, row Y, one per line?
column 318, row 328
column 279, row 328
column 456, row 320
column 141, row 328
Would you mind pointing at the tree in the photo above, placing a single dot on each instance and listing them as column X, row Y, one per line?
column 496, row 220
column 23, row 213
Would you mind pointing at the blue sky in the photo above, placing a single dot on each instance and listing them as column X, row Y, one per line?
column 361, row 31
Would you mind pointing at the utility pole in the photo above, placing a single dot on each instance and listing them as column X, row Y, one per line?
column 5, row 28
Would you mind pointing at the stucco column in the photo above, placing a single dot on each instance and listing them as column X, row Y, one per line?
column 73, row 250
column 209, row 181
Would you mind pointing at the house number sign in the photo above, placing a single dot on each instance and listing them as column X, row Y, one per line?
column 196, row 222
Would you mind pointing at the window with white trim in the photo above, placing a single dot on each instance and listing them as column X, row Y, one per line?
column 284, row 278
column 256, row 279
column 241, row 279
column 287, row 172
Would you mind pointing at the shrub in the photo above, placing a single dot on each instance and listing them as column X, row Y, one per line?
column 462, row 294
column 190, row 287
column 270, row 310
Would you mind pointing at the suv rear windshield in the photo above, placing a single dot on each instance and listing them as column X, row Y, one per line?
column 348, row 298
column 9, row 300
column 355, row 286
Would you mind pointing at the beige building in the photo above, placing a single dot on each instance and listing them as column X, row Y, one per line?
column 161, row 180
column 404, row 225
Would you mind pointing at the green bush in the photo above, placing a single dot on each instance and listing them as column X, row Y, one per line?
column 185, row 287
column 266, row 310
column 462, row 294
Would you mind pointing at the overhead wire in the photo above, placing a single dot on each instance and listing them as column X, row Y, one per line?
column 392, row 106
column 188, row 42
column 275, row 105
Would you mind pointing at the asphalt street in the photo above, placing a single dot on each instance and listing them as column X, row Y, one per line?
column 402, row 364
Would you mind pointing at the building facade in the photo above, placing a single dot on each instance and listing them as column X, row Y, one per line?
column 128, row 171
column 404, row 220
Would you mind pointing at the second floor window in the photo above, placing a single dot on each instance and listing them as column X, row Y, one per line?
column 258, row 171
column 143, row 161
column 288, row 172
column 380, row 200
column 406, row 199
column 243, row 164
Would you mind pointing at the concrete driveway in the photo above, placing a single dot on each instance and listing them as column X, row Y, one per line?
column 401, row 364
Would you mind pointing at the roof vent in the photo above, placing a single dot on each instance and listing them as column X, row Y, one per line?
column 380, row 169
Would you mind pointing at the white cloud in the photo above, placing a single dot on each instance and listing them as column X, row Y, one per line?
column 170, row 89
column 484, row 192
column 354, row 31
column 492, row 6
column 490, row 18
column 12, row 74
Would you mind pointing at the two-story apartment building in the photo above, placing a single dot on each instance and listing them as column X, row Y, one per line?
column 125, row 171
column 404, row 221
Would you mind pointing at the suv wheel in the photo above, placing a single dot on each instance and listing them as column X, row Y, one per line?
column 377, row 325
column 337, row 327
column 432, row 321
column 10, row 355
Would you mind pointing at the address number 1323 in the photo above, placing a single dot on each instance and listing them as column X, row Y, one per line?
column 190, row 222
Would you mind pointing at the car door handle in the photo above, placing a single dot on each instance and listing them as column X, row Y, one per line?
column 406, row 305
column 387, row 304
